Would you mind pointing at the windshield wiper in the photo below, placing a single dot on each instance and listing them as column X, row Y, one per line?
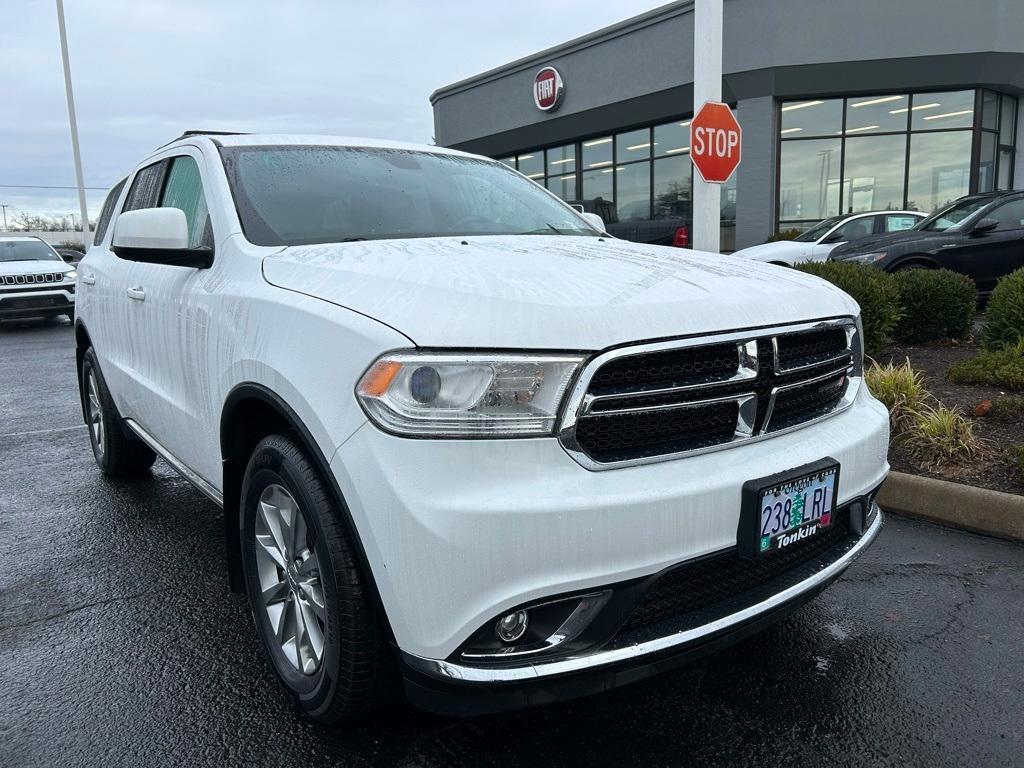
column 547, row 229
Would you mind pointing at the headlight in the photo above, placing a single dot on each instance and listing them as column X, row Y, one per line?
column 72, row 275
column 454, row 394
column 869, row 258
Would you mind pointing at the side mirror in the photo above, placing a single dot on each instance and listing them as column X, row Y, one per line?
column 984, row 225
column 595, row 221
column 835, row 237
column 158, row 236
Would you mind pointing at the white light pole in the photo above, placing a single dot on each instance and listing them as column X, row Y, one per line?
column 707, row 86
column 73, row 123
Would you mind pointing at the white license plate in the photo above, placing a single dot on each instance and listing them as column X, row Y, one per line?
column 797, row 509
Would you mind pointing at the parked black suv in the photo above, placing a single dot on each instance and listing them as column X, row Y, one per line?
column 981, row 236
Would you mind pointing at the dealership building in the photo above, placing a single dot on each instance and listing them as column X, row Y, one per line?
column 844, row 107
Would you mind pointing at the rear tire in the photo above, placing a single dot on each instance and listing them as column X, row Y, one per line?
column 309, row 599
column 117, row 453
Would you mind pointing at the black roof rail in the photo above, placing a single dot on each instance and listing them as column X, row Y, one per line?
column 186, row 134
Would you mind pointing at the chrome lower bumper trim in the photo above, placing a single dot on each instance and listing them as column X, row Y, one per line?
column 469, row 674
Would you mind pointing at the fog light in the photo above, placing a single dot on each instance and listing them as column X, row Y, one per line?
column 511, row 627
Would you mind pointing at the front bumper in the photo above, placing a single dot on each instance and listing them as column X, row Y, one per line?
column 460, row 689
column 36, row 303
column 457, row 532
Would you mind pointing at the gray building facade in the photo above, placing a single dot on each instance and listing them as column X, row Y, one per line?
column 844, row 107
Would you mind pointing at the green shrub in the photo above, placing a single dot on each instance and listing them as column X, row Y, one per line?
column 997, row 368
column 875, row 291
column 901, row 389
column 785, row 234
column 936, row 303
column 1009, row 408
column 941, row 435
column 1017, row 457
column 1004, row 317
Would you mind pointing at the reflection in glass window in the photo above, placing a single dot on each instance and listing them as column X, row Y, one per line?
column 531, row 164
column 633, row 145
column 509, row 161
column 940, row 169
column 876, row 114
column 1009, row 215
column 633, row 194
column 672, row 139
column 597, row 153
column 672, row 187
column 812, row 117
column 939, row 111
column 562, row 160
column 597, row 193
column 809, row 179
column 874, row 173
column 563, row 186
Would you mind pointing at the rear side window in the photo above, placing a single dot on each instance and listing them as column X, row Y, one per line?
column 899, row 223
column 145, row 188
column 184, row 191
column 106, row 212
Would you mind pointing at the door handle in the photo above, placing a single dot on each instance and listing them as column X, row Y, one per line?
column 137, row 293
column 89, row 279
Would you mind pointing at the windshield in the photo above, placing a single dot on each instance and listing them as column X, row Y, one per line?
column 294, row 195
column 26, row 250
column 951, row 215
column 812, row 234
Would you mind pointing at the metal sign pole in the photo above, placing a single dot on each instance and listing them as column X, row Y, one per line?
column 707, row 86
column 73, row 123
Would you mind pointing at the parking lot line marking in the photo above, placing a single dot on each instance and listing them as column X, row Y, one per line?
column 44, row 431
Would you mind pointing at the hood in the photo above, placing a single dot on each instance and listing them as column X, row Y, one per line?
column 34, row 267
column 881, row 242
column 549, row 292
column 781, row 250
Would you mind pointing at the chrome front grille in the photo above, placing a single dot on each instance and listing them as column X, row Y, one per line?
column 656, row 401
column 38, row 279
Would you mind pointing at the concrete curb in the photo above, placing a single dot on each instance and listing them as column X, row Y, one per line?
column 962, row 506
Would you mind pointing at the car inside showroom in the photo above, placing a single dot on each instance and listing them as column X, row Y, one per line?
column 834, row 123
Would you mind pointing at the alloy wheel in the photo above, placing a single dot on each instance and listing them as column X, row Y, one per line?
column 95, row 411
column 291, row 591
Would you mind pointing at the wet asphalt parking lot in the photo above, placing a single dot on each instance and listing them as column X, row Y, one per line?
column 120, row 643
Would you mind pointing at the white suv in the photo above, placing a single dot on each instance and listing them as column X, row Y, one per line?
column 461, row 437
column 34, row 280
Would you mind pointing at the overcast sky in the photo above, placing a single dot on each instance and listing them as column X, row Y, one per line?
column 145, row 70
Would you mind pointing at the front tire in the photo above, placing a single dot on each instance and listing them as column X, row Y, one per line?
column 309, row 600
column 117, row 453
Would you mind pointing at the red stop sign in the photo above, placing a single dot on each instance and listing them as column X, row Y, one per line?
column 715, row 139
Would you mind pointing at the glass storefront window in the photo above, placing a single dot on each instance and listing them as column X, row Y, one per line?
column 633, row 145
column 531, row 164
column 509, row 161
column 672, row 139
column 876, row 114
column 1007, row 119
column 812, row 117
column 633, row 195
column 598, row 189
column 809, row 179
column 873, row 173
column 672, row 187
column 987, row 162
column 562, row 160
column 597, row 153
column 1005, row 166
column 940, row 169
column 563, row 186
column 940, row 111
column 989, row 110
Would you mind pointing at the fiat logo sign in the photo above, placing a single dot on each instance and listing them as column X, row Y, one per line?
column 547, row 89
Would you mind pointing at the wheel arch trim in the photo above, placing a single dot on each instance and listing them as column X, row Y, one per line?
column 232, row 488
